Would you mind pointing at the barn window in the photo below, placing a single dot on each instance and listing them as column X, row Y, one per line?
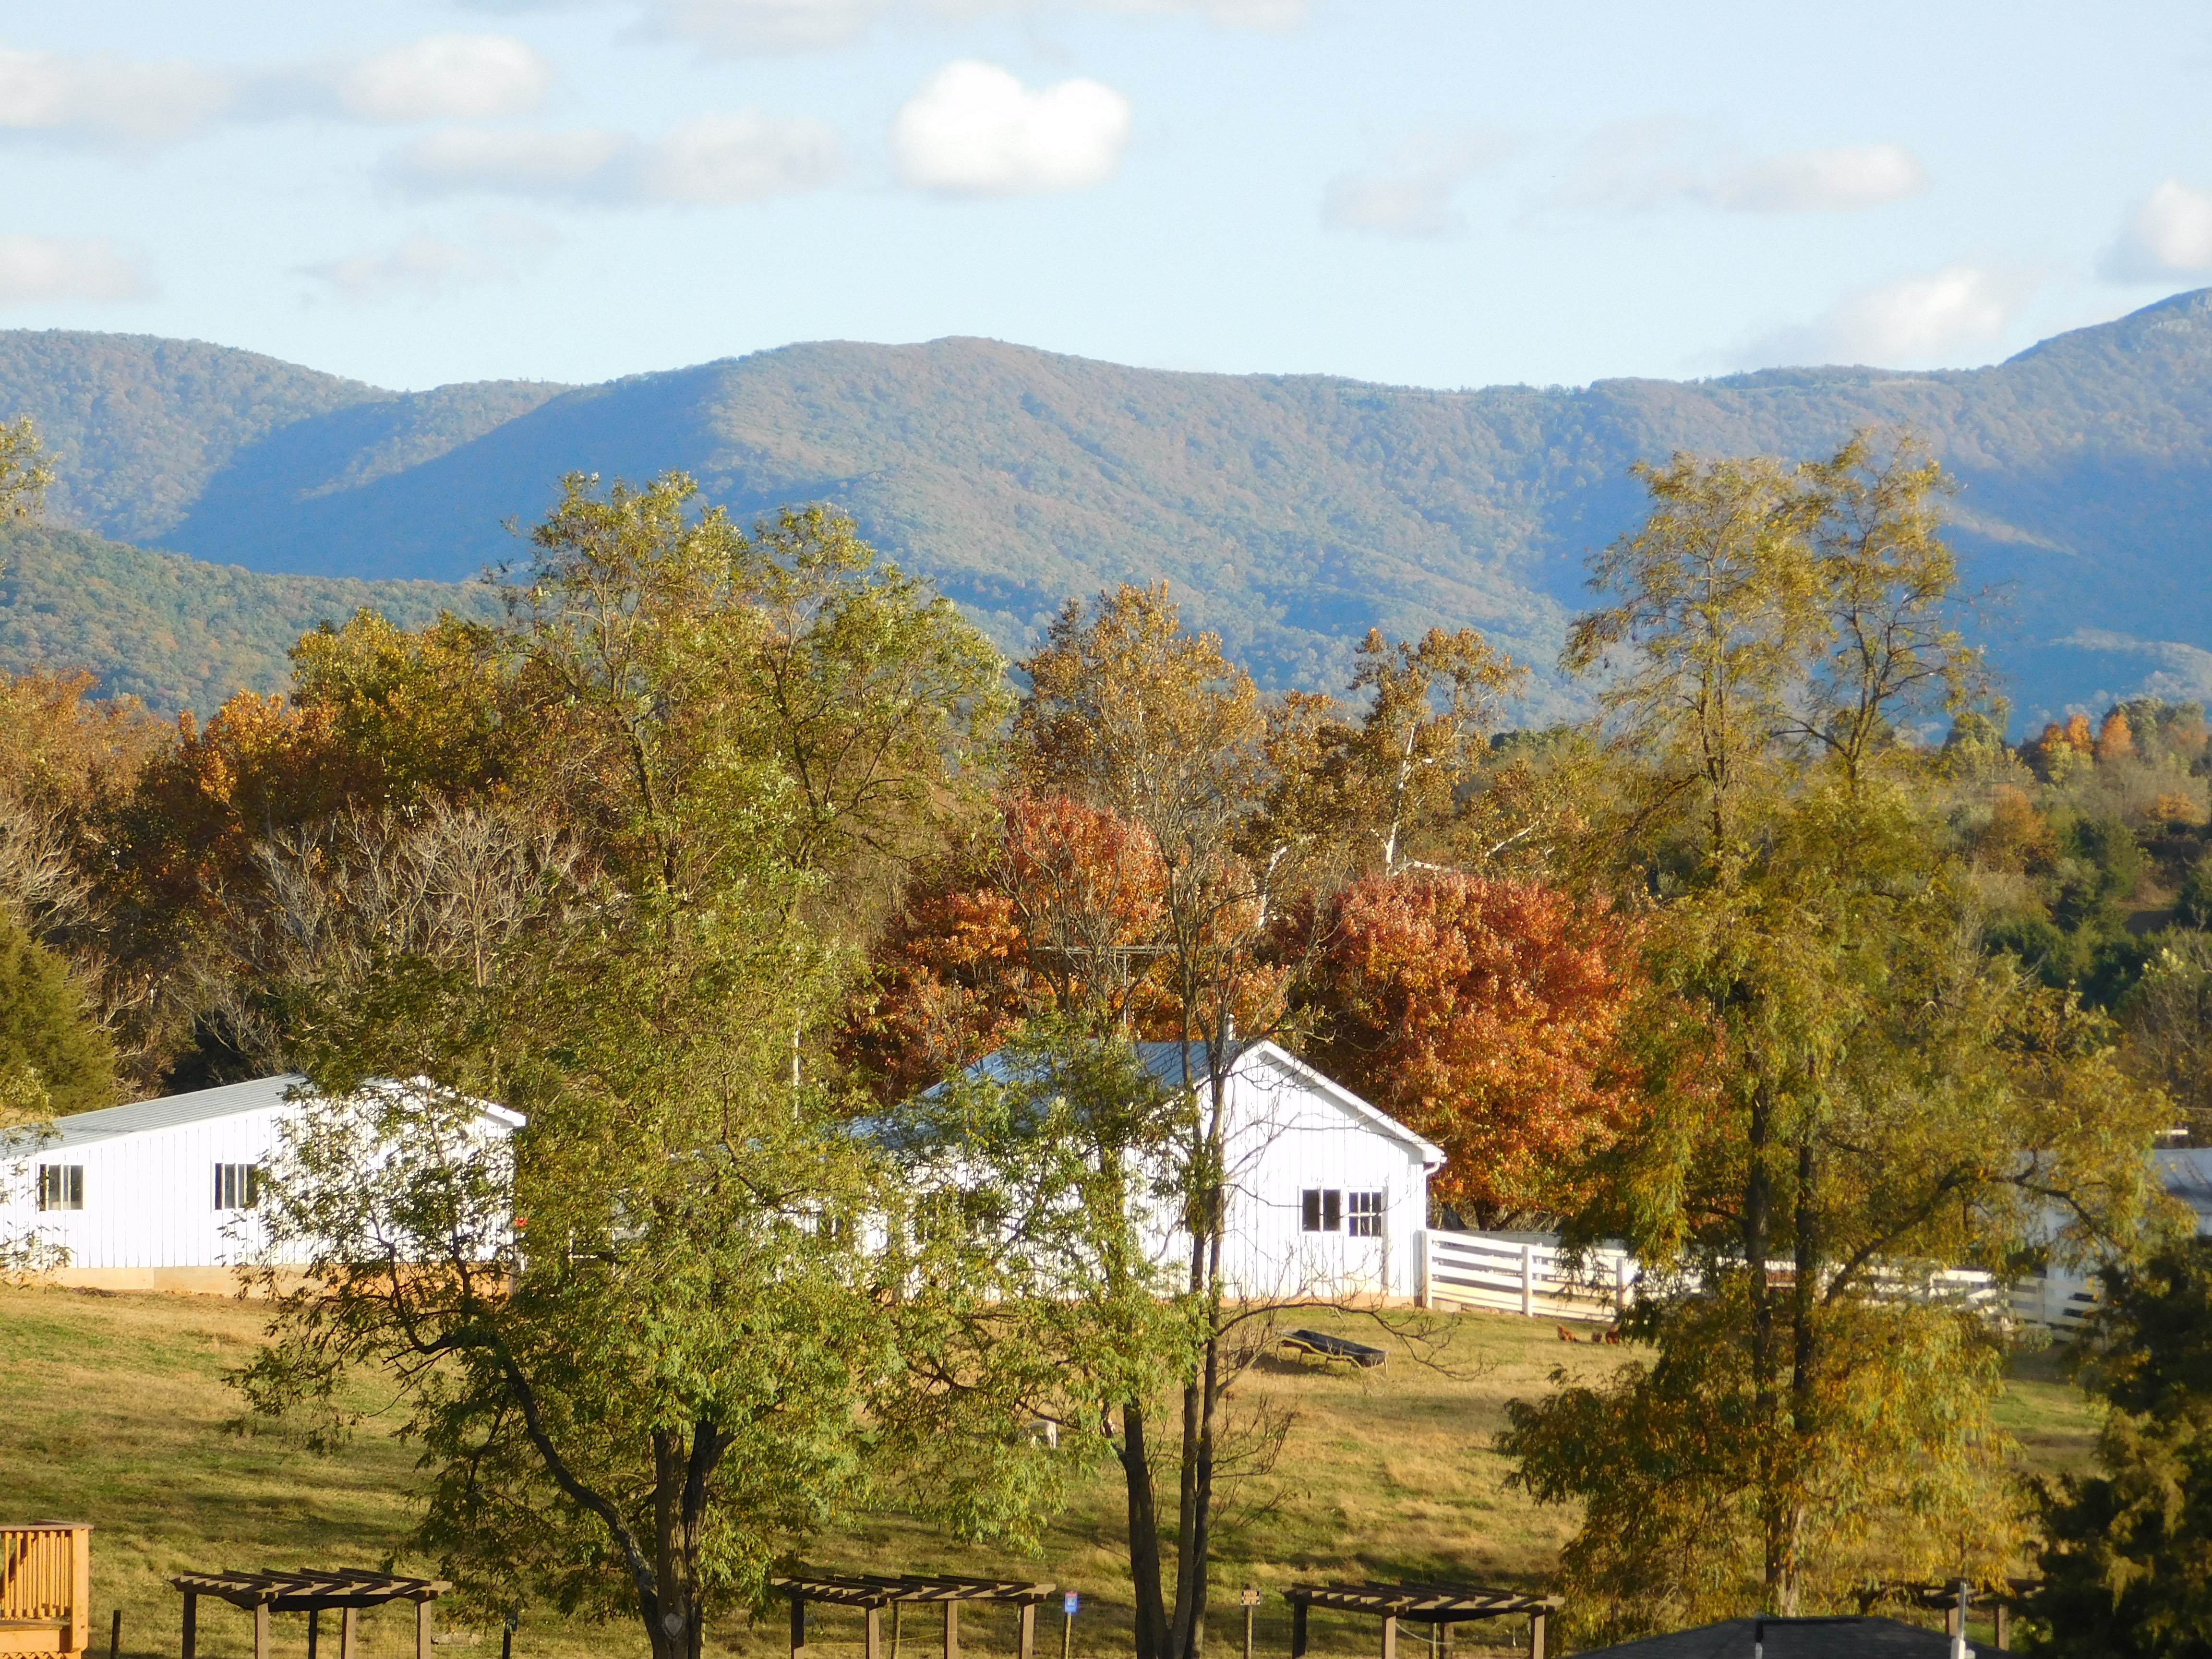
column 1320, row 1210
column 61, row 1186
column 1367, row 1211
column 237, row 1186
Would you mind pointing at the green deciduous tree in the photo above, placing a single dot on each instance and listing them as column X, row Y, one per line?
column 1842, row 1092
column 657, row 1381
column 24, row 475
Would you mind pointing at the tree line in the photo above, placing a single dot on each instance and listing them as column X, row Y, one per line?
column 729, row 850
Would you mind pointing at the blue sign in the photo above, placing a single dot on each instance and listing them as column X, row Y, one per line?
column 1067, row 1604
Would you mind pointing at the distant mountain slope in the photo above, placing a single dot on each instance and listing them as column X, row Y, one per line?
column 1291, row 512
column 173, row 631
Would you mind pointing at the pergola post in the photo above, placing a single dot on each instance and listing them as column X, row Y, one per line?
column 2003, row 1615
column 951, row 1630
column 1389, row 1636
column 874, row 1644
column 1029, row 1631
column 425, row 1628
column 348, row 1634
column 1538, row 1622
column 192, row 1625
column 260, row 1630
column 314, row 1629
column 797, row 1622
column 1298, row 1630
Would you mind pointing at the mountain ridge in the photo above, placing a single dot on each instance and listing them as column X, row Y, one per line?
column 1289, row 512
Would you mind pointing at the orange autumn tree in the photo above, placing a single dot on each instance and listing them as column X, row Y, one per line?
column 1487, row 1014
column 1054, row 909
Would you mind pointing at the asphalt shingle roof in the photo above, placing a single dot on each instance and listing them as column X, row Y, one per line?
column 1797, row 1638
column 80, row 1127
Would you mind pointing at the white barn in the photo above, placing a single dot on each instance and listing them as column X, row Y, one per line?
column 159, row 1195
column 1328, row 1195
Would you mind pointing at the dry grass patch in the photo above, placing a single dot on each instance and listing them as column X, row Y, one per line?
column 118, row 1416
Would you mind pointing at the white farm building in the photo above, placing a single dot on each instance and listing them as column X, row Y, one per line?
column 1328, row 1195
column 160, row 1194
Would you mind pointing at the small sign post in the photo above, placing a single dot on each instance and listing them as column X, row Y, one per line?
column 1251, row 1599
column 1068, row 1603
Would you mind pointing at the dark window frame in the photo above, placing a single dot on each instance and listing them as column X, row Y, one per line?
column 1320, row 1210
column 237, row 1186
column 60, row 1187
column 1366, row 1214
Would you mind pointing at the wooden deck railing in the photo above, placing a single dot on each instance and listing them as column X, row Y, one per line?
column 46, row 1588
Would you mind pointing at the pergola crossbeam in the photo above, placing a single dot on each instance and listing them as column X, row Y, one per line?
column 873, row 1592
column 346, row 1594
column 1429, row 1604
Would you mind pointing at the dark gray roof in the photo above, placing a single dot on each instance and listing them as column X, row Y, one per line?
column 80, row 1127
column 2186, row 1172
column 1799, row 1638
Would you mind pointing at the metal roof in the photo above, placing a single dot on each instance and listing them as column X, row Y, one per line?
column 1797, row 1638
column 2186, row 1172
column 80, row 1127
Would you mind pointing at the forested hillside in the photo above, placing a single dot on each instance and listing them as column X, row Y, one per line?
column 174, row 632
column 1292, row 512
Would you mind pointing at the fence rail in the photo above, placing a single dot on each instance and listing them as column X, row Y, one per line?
column 45, row 1588
column 1531, row 1275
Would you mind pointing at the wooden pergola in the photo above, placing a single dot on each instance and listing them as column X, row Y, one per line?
column 1440, row 1605
column 313, row 1594
column 873, row 1593
column 1945, row 1595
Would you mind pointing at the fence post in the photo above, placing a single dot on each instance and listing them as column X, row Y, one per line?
column 1527, row 1281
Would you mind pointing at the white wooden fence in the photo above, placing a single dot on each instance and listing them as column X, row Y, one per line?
column 1529, row 1273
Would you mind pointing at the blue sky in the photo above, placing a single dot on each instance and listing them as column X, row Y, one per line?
column 1446, row 194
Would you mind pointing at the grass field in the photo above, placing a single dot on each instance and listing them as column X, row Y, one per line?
column 118, row 1414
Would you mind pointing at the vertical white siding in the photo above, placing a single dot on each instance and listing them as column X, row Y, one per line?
column 1284, row 1137
column 150, row 1196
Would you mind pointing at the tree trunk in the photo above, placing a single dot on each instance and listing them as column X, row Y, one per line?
column 1804, row 1357
column 1151, row 1617
column 1758, row 1235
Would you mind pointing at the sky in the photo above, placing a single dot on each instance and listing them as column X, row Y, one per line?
column 1431, row 193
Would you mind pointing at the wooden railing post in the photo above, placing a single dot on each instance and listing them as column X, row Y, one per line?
column 79, row 1549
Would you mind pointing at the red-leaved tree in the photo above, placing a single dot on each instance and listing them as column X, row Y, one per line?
column 1056, row 907
column 1488, row 1015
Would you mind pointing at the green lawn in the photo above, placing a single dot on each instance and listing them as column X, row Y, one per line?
column 118, row 1416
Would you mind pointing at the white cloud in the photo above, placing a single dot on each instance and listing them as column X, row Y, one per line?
column 2183, row 671
column 448, row 77
column 101, row 99
column 579, row 163
column 421, row 265
column 974, row 130
column 741, row 158
column 1410, row 195
column 33, row 269
column 748, row 26
column 2169, row 235
column 781, row 26
column 720, row 158
column 1920, row 322
column 1659, row 163
column 1815, row 180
